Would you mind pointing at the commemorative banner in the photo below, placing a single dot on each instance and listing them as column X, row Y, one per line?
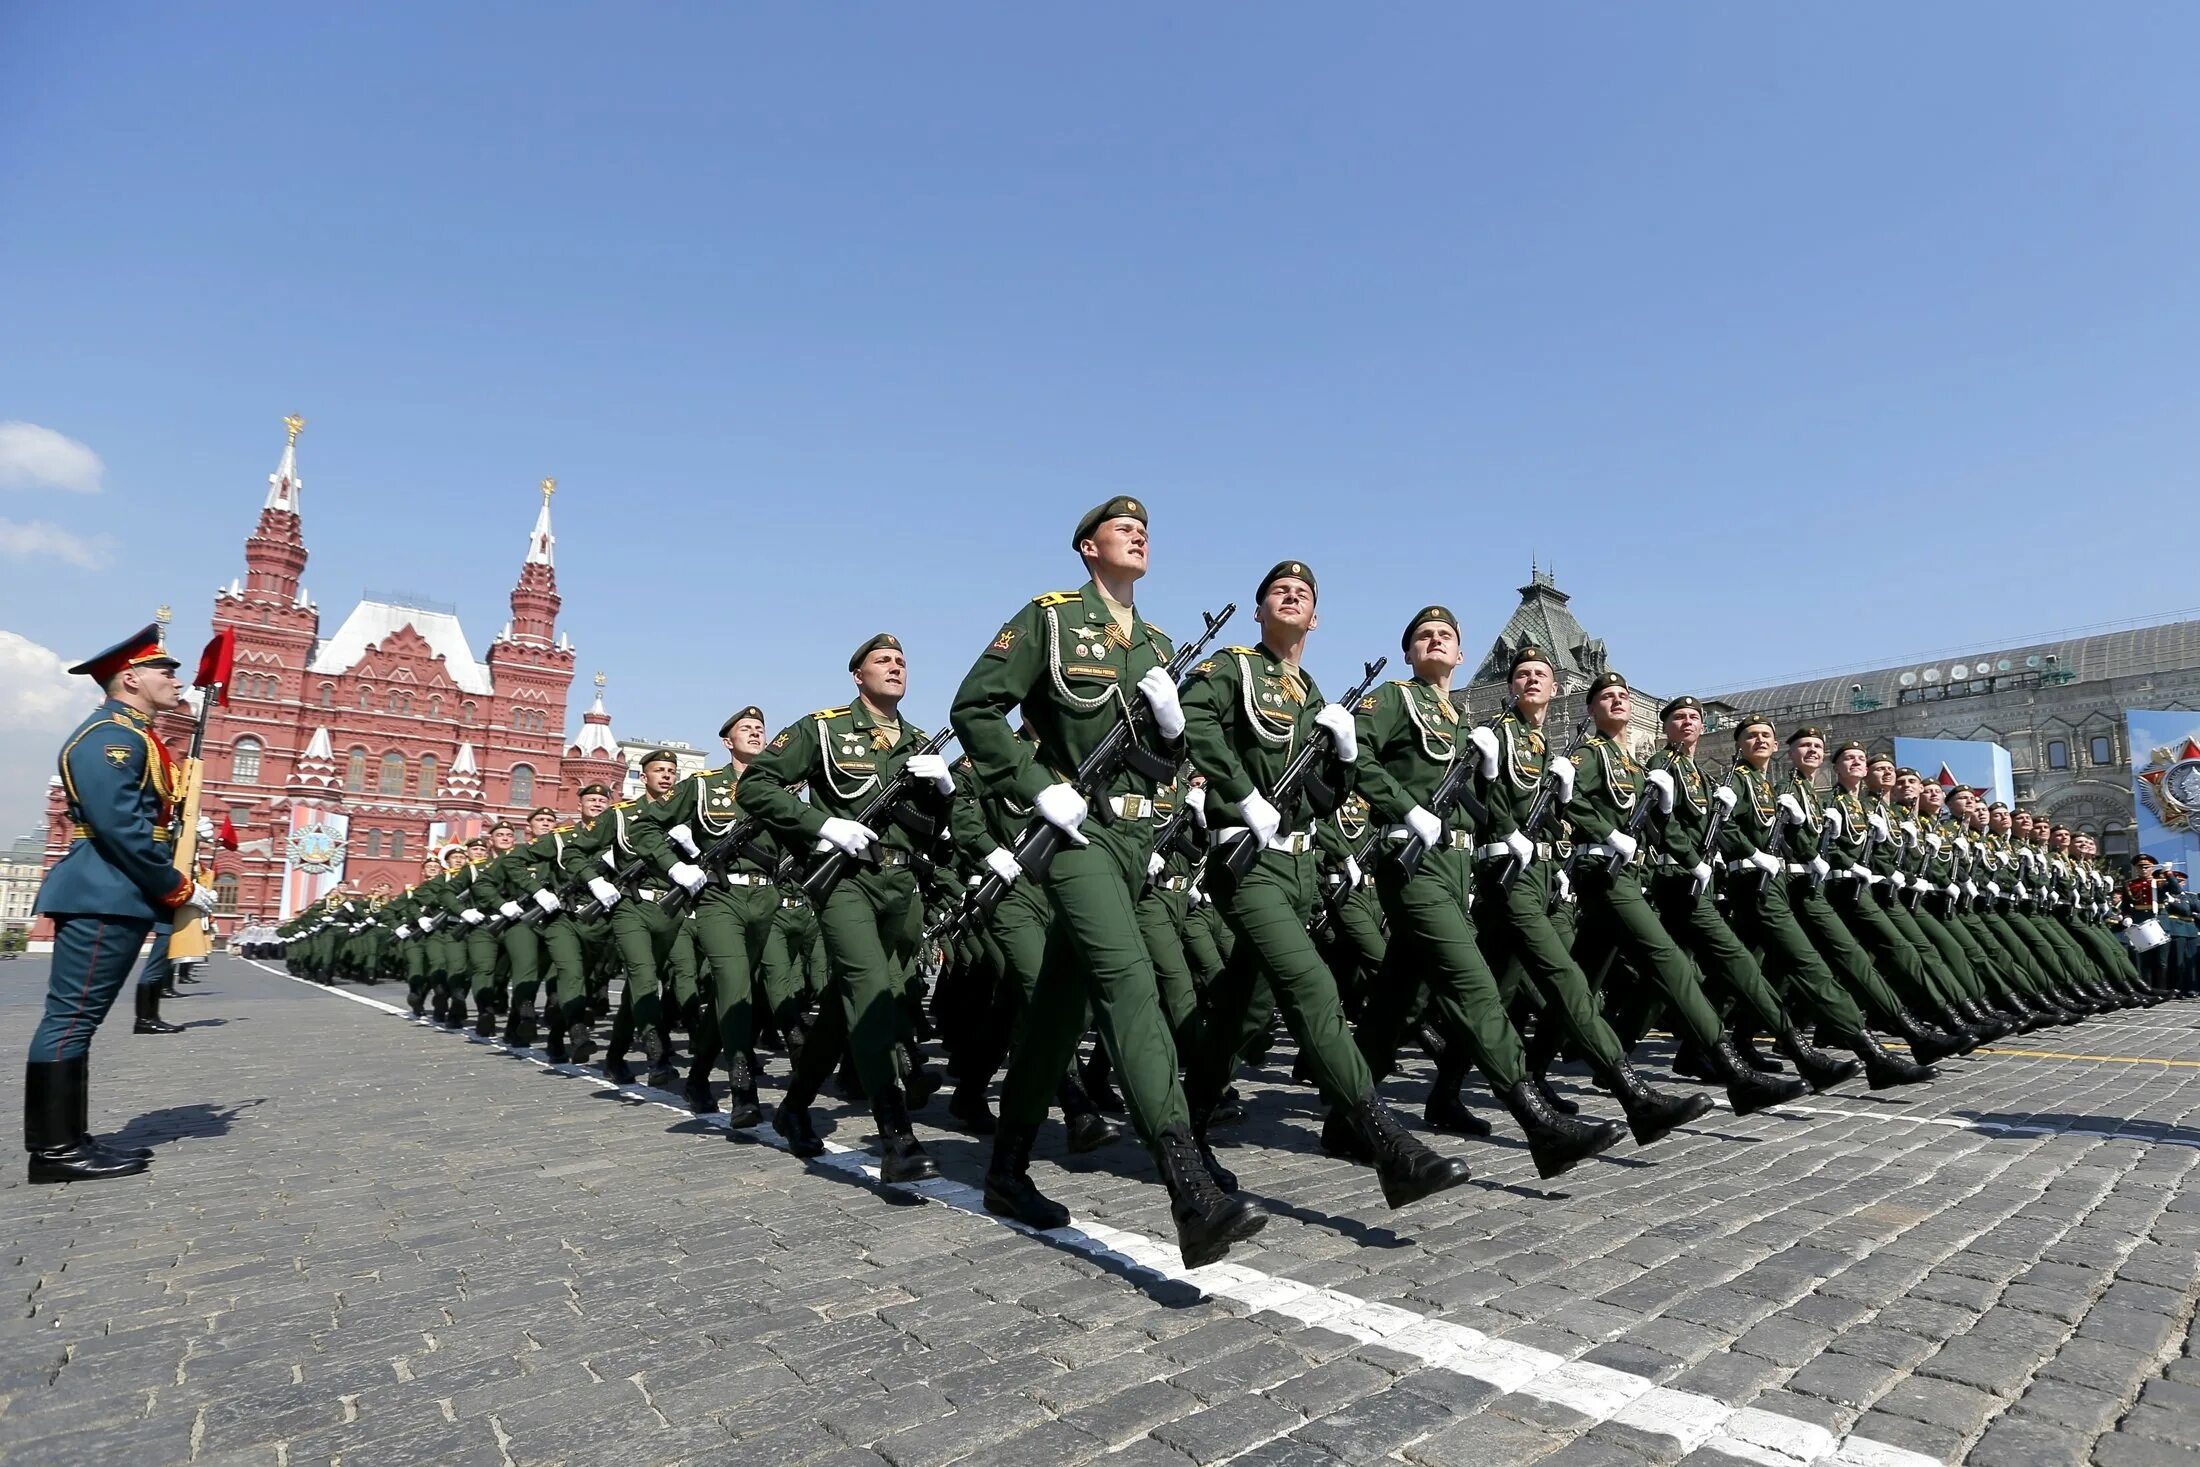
column 2165, row 784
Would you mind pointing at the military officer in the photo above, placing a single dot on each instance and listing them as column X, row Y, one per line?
column 115, row 881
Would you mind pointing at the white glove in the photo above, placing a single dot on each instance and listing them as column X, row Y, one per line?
column 1338, row 720
column 1963, row 845
column 1878, row 824
column 1700, row 873
column 1869, row 878
column 1954, row 891
column 403, row 931
column 1060, row 806
column 1993, row 888
column 1625, row 844
column 1819, row 869
column 1900, row 881
column 2022, row 894
column 684, row 838
column 1522, row 849
column 1970, row 889
column 1725, row 795
column 1155, row 865
column 1765, row 862
column 1003, row 864
column 1159, row 691
column 1196, row 797
column 605, row 893
column 1661, row 780
column 1835, row 821
column 1197, row 897
column 1564, row 885
column 1426, row 828
column 201, row 900
column 511, row 910
column 1260, row 817
column 1934, row 842
column 694, row 878
column 1352, row 872
column 1561, row 772
column 473, row 917
column 934, row 768
column 1485, row 744
column 851, row 837
column 548, row 900
column 428, row 921
column 1791, row 810
column 1909, row 830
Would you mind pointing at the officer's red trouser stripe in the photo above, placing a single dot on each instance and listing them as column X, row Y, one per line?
column 84, row 990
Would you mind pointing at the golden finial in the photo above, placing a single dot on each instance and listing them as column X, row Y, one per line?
column 296, row 425
column 599, row 680
column 161, row 618
column 549, row 487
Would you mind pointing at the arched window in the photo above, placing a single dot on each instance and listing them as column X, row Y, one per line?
column 328, row 695
column 397, row 844
column 244, row 762
column 435, row 706
column 392, row 780
column 523, row 784
column 225, row 895
column 374, row 843
column 355, row 771
column 2102, row 749
column 366, row 697
column 400, row 702
column 427, row 776
column 466, row 712
column 2058, row 754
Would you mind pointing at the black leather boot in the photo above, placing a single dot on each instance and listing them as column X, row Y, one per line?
column 922, row 1084
column 792, row 1119
column 969, row 1105
column 485, row 1020
column 1094, row 1076
column 657, row 1049
column 1651, row 1114
column 1224, row 1177
column 55, row 1099
column 1747, row 1090
column 84, row 1120
column 1445, row 1111
column 1927, row 1044
column 149, row 1020
column 1745, row 1040
column 455, row 1016
column 1820, row 1070
column 1542, row 1050
column 1409, row 1170
column 1883, row 1068
column 1556, row 1143
column 1088, row 1129
column 1689, row 1063
column 742, row 1110
column 1009, row 1190
column 1208, row 1220
column 902, row 1159
column 701, row 1099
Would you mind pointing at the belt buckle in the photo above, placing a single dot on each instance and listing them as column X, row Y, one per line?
column 1134, row 807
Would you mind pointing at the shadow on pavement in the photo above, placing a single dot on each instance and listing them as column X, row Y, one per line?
column 173, row 1123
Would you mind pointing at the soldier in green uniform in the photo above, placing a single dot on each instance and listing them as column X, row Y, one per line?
column 1957, row 928
column 1408, row 737
column 1353, row 942
column 654, row 953
column 1249, row 712
column 1072, row 661
column 870, row 920
column 448, row 948
column 478, row 897
column 1519, row 932
column 571, row 857
column 415, row 939
column 514, row 877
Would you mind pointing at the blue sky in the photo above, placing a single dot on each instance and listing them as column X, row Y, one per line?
column 1794, row 339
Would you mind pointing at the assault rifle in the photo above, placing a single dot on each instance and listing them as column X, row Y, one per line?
column 1298, row 778
column 1712, row 830
column 1333, row 901
column 1452, row 792
column 716, row 857
column 1539, row 810
column 890, row 804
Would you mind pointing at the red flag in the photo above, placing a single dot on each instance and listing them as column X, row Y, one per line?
column 1948, row 780
column 228, row 836
column 215, row 664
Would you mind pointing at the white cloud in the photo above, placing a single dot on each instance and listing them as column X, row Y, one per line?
column 40, row 695
column 36, row 538
column 32, row 457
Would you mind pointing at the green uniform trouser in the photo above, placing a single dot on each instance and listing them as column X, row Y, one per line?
column 569, row 941
column 1522, row 941
column 731, row 926
column 481, row 958
column 1433, row 941
column 1162, row 918
column 2004, row 941
column 1843, row 953
column 1093, row 890
column 793, row 972
column 413, row 953
column 648, row 940
column 1268, row 910
column 1722, row 959
column 1615, row 922
column 523, row 957
column 1355, row 946
column 1207, row 942
column 2109, row 955
column 2053, row 954
column 868, row 946
column 1765, row 919
column 447, row 952
column 1893, row 956
column 1945, row 947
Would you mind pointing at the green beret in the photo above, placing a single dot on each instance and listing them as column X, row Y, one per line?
column 1807, row 731
column 752, row 711
column 1906, row 769
column 1956, row 789
column 1605, row 680
column 658, row 756
column 2143, row 856
column 883, row 639
column 597, row 788
column 1529, row 652
column 1883, row 759
column 1294, row 569
column 1748, row 722
column 1848, row 744
column 1998, row 805
column 1427, row 614
column 1120, row 507
column 1685, row 700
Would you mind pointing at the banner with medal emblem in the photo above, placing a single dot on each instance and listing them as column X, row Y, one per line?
column 2165, row 784
column 313, row 854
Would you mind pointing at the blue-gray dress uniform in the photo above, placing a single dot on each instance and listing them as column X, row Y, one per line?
column 105, row 894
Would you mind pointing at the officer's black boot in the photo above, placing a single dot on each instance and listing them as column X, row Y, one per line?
column 701, row 1099
column 792, row 1118
column 1445, row 1111
column 553, row 1043
column 1542, row 1050
column 1100, row 1089
column 1556, row 1143
column 742, row 1110
column 485, row 1019
column 1208, row 1219
column 1883, row 1068
column 901, row 1158
column 1927, row 1043
column 1747, row 1091
column 1224, row 1177
column 922, row 1084
column 1689, row 1063
column 511, row 1025
column 1009, row 1190
column 56, row 1096
column 1820, row 1070
column 149, row 1020
column 969, row 1105
column 1409, row 1170
column 1651, row 1113
column 1088, row 1129
column 1745, row 1040
column 455, row 1018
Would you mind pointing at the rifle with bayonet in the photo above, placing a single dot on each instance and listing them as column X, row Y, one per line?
column 1299, row 778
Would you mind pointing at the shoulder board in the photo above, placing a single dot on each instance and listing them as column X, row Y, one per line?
column 567, row 829
column 1401, row 682
column 1241, row 651
column 1155, row 630
column 626, row 804
column 1056, row 598
column 712, row 773
column 832, row 712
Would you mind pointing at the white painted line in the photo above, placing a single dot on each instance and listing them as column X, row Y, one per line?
column 1594, row 1391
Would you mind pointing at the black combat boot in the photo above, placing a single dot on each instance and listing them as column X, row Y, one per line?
column 901, row 1157
column 1208, row 1219
column 742, row 1110
column 1556, row 1143
column 792, row 1119
column 1445, row 1111
column 1009, row 1190
column 1820, row 1070
column 657, row 1049
column 1224, row 1177
column 485, row 1019
column 1088, row 1129
column 922, row 1084
column 1651, row 1114
column 149, row 1020
column 1883, row 1068
column 1542, row 1050
column 969, row 1105
column 55, row 1098
column 1747, row 1090
column 1409, row 1170
column 1927, row 1043
column 1745, row 1040
column 84, row 1120
column 1094, row 1076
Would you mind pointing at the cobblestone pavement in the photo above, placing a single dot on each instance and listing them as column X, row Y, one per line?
column 370, row 1240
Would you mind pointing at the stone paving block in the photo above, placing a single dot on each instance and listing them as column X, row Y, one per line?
column 2016, row 1442
column 1221, row 1431
column 1132, row 1413
column 1330, row 1387
column 1482, row 1440
column 1379, row 1424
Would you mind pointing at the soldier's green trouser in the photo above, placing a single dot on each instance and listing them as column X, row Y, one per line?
column 481, row 959
column 1523, row 942
column 1894, row 957
column 794, row 966
column 523, row 957
column 1267, row 912
column 868, row 946
column 449, row 954
column 1093, row 890
column 1764, row 918
column 2111, row 957
column 1207, row 942
column 1162, row 918
column 731, row 926
column 1946, row 954
column 1020, row 936
column 2002, row 978
column 1843, row 953
column 1616, row 922
column 413, row 954
column 2048, row 939
column 571, row 944
column 1432, row 941
column 1355, row 943
column 648, row 940
column 1722, row 958
column 2004, row 948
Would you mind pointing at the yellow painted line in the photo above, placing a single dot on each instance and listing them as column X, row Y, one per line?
column 2106, row 1059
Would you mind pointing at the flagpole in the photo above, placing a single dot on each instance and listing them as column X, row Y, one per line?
column 191, row 938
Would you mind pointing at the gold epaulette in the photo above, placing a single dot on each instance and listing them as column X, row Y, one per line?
column 832, row 712
column 1156, row 630
column 1057, row 598
column 567, row 829
column 626, row 804
column 1241, row 651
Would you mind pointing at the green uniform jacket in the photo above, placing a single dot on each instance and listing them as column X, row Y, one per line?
column 1408, row 732
column 1607, row 783
column 1680, row 832
column 708, row 803
column 1246, row 716
column 1522, row 753
column 1755, row 823
column 843, row 755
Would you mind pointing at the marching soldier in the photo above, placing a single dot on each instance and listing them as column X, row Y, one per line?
column 653, row 949
column 515, row 876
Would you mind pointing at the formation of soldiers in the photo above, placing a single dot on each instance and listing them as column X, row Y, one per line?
column 1168, row 848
